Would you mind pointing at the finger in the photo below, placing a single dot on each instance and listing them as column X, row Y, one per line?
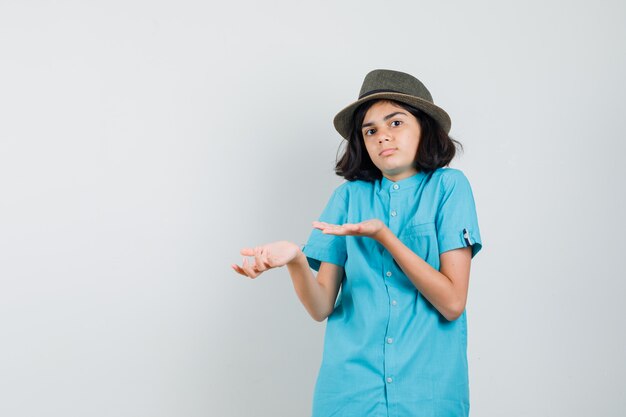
column 250, row 272
column 238, row 270
column 345, row 230
column 247, row 252
column 258, row 261
column 265, row 258
column 329, row 231
column 334, row 229
column 322, row 225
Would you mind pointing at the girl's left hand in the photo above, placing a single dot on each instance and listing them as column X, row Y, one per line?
column 268, row 256
column 369, row 228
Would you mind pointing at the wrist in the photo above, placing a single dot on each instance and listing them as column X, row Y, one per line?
column 299, row 257
column 382, row 235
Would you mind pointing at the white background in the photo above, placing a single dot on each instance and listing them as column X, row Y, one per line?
column 143, row 143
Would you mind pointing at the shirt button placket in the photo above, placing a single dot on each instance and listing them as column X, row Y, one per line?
column 393, row 209
column 389, row 341
column 389, row 350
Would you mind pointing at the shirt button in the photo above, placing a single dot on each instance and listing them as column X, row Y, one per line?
column 393, row 213
column 389, row 340
column 396, row 186
column 388, row 273
column 389, row 380
column 394, row 302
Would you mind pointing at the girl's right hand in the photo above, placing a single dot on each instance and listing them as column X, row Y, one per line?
column 271, row 255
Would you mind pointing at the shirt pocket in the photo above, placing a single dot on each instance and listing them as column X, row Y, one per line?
column 415, row 228
column 421, row 238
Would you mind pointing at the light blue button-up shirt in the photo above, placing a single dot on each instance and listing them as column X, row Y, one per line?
column 387, row 351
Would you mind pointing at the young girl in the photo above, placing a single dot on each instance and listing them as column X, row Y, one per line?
column 397, row 238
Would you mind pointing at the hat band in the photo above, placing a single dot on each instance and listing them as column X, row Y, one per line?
column 369, row 93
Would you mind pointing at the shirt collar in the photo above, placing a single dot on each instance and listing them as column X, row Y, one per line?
column 405, row 184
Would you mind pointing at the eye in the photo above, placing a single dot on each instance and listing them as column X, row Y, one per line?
column 369, row 132
column 396, row 123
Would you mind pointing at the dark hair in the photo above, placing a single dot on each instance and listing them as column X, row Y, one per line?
column 435, row 150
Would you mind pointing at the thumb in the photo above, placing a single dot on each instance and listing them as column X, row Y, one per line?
column 247, row 252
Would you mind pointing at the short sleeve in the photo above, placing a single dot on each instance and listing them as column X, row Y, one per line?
column 328, row 248
column 456, row 219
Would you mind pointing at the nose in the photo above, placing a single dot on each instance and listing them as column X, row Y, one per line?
column 384, row 135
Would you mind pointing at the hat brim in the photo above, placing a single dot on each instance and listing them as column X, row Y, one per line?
column 343, row 119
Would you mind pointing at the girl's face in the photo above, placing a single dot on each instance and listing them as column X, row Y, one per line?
column 391, row 135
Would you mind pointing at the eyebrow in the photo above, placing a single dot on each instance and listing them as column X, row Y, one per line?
column 389, row 116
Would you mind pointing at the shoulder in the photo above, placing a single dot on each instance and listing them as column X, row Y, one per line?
column 448, row 179
column 353, row 188
column 449, row 176
column 345, row 196
column 446, row 182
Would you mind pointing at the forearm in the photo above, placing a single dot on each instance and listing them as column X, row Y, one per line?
column 316, row 298
column 432, row 284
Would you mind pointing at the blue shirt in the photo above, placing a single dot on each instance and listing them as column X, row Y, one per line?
column 387, row 351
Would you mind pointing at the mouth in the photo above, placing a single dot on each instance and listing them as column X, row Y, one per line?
column 387, row 152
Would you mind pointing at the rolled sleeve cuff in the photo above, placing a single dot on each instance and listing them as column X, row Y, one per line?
column 454, row 240
column 315, row 255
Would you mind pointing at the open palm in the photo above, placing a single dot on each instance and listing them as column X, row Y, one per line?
column 366, row 228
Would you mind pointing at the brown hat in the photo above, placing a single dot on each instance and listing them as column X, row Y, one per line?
column 393, row 85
